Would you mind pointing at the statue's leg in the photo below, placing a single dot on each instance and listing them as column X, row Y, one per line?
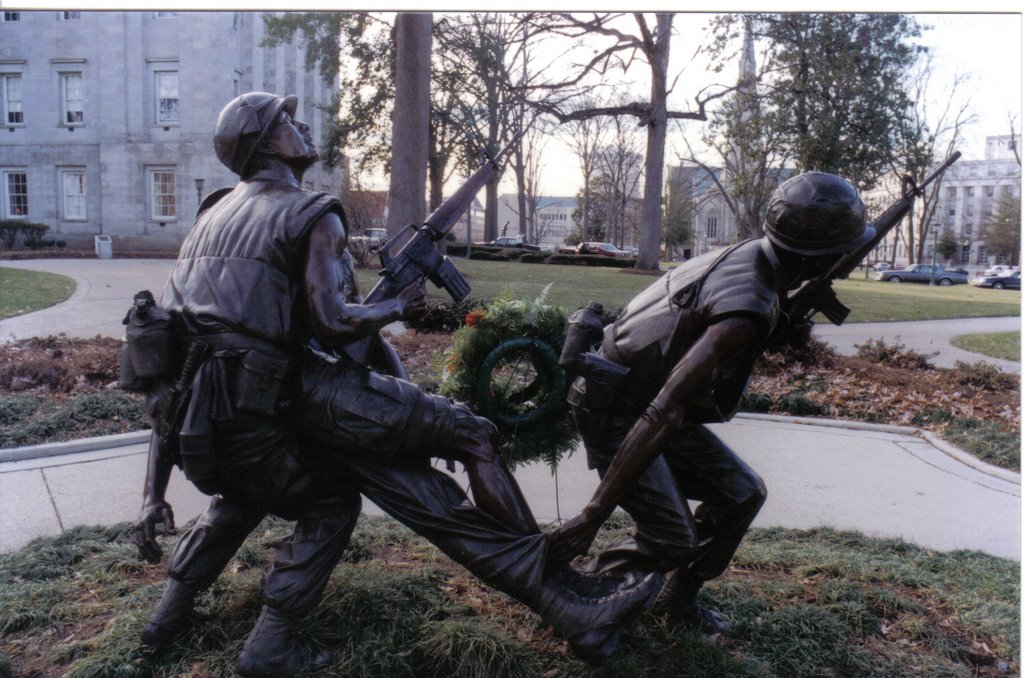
column 450, row 431
column 197, row 560
column 730, row 494
column 432, row 504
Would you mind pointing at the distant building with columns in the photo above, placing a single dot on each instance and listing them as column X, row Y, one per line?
column 968, row 198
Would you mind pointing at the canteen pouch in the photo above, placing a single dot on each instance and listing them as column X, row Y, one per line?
column 259, row 385
column 151, row 347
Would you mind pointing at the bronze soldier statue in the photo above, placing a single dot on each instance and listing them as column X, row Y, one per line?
column 281, row 419
column 689, row 342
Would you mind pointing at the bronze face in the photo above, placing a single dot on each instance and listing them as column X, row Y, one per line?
column 290, row 140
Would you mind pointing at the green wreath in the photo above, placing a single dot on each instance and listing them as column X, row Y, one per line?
column 503, row 363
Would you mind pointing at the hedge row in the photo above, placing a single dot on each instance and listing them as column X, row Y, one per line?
column 488, row 253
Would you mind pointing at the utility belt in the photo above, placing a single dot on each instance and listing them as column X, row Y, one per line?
column 161, row 358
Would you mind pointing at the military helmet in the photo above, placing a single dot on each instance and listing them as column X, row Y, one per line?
column 243, row 123
column 816, row 213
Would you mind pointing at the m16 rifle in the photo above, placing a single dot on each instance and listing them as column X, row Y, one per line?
column 418, row 259
column 816, row 295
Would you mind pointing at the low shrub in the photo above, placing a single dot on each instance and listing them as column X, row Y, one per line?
column 894, row 355
column 590, row 260
column 13, row 231
column 984, row 375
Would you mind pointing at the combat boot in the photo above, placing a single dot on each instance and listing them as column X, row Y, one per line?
column 172, row 617
column 592, row 621
column 678, row 600
column 270, row 650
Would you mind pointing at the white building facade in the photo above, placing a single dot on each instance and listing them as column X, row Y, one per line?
column 552, row 219
column 968, row 198
column 109, row 117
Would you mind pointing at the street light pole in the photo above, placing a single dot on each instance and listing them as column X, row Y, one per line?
column 935, row 251
column 199, row 191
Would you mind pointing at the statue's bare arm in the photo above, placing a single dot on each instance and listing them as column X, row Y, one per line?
column 721, row 345
column 334, row 318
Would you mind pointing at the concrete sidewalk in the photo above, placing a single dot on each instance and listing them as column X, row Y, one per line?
column 882, row 481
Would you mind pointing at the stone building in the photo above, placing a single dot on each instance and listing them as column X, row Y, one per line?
column 552, row 219
column 693, row 197
column 109, row 117
column 968, row 198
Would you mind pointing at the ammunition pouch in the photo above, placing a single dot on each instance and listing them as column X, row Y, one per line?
column 260, row 383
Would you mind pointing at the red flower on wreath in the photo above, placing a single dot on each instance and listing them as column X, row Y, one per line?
column 473, row 317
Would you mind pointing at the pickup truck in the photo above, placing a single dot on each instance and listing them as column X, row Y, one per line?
column 924, row 273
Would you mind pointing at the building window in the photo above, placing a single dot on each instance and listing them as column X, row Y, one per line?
column 69, row 16
column 15, row 194
column 10, row 100
column 167, row 97
column 72, row 100
column 970, row 191
column 965, row 254
column 73, row 185
column 968, row 227
column 990, row 190
column 162, row 205
column 951, row 194
column 712, row 228
column 11, row 16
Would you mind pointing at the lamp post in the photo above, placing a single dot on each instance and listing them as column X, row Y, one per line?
column 199, row 190
column 935, row 252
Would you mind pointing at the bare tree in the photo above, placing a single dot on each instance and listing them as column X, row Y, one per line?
column 585, row 136
column 621, row 163
column 411, row 130
column 931, row 136
column 650, row 44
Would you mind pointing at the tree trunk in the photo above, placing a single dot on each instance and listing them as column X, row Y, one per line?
column 650, row 238
column 410, row 134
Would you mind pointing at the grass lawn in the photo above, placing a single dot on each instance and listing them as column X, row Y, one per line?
column 574, row 286
column 801, row 602
column 1004, row 345
column 25, row 291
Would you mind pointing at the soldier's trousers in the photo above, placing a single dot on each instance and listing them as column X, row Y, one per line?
column 259, row 470
column 696, row 466
column 383, row 432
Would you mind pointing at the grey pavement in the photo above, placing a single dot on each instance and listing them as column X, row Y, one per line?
column 879, row 480
column 925, row 336
column 882, row 481
column 103, row 293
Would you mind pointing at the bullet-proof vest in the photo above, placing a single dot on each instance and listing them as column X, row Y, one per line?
column 241, row 267
column 660, row 324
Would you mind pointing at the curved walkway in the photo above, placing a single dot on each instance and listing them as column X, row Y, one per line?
column 925, row 336
column 880, row 480
column 883, row 481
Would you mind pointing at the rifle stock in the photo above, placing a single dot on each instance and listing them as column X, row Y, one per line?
column 817, row 295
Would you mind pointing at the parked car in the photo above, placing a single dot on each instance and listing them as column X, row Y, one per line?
column 371, row 238
column 516, row 241
column 603, row 248
column 998, row 269
column 924, row 273
column 880, row 266
column 1007, row 280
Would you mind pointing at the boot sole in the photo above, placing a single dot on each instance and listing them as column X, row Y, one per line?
column 613, row 634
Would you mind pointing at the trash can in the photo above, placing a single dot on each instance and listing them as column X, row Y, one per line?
column 104, row 247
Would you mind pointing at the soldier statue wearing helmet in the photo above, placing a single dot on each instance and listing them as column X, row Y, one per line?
column 264, row 284
column 689, row 342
